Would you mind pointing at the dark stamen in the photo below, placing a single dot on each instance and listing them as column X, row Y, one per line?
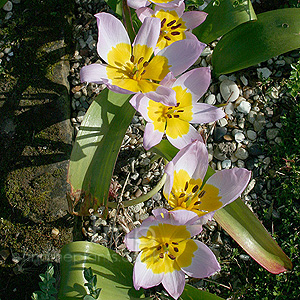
column 197, row 203
column 140, row 60
column 143, row 72
column 171, row 256
column 163, row 22
column 158, row 248
column 174, row 243
column 180, row 110
column 167, row 245
column 177, row 104
column 186, row 186
column 171, row 23
column 145, row 64
column 169, row 108
column 181, row 195
column 132, row 58
column 175, row 32
column 201, row 194
column 169, row 116
column 176, row 249
column 161, row 255
column 175, row 27
column 195, row 188
column 176, row 116
column 167, row 38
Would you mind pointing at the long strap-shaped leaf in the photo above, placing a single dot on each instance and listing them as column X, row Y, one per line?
column 114, row 272
column 95, row 151
column 242, row 225
column 275, row 32
column 191, row 293
column 223, row 16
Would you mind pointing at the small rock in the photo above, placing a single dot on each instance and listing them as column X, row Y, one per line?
column 211, row 99
column 280, row 62
column 252, row 116
column 239, row 137
column 222, row 122
column 260, row 122
column 249, row 187
column 255, row 150
column 207, row 51
column 272, row 133
column 244, row 107
column 226, row 164
column 241, row 153
column 244, row 80
column 54, row 232
column 229, row 108
column 218, row 154
column 219, row 133
column 229, row 90
column 251, row 135
column 244, row 257
column 263, row 73
column 8, row 6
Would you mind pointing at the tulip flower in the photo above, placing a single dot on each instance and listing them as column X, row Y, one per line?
column 132, row 69
column 175, row 23
column 168, row 252
column 184, row 187
column 176, row 120
column 164, row 3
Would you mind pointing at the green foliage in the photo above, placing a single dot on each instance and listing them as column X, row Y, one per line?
column 91, row 284
column 293, row 83
column 46, row 286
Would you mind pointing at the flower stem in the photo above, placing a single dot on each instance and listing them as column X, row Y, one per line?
column 127, row 20
column 142, row 198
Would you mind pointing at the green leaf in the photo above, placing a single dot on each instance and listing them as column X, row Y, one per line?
column 243, row 226
column 96, row 149
column 113, row 271
column 191, row 293
column 116, row 6
column 222, row 18
column 275, row 32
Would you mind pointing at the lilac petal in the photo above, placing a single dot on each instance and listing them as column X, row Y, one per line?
column 137, row 3
column 169, row 170
column 206, row 113
column 174, row 283
column 196, row 82
column 163, row 94
column 151, row 137
column 117, row 89
column 93, row 73
column 231, row 183
column 204, row 262
column 193, row 19
column 169, row 80
column 157, row 213
column 193, row 159
column 184, row 217
column 178, row 9
column 183, row 139
column 144, row 12
column 182, row 54
column 144, row 277
column 148, row 35
column 106, row 40
column 140, row 103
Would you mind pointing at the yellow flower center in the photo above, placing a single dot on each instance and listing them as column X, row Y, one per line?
column 167, row 247
column 172, row 28
column 187, row 194
column 171, row 117
column 135, row 72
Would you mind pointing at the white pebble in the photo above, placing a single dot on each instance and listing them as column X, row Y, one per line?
column 239, row 137
column 244, row 107
column 211, row 99
column 222, row 122
column 229, row 90
column 263, row 73
column 251, row 135
column 226, row 164
column 244, row 80
column 8, row 6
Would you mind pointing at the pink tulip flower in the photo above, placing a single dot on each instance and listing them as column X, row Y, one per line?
column 176, row 120
column 132, row 69
column 168, row 252
column 164, row 3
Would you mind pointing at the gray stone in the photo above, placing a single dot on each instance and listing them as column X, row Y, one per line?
column 252, row 116
column 272, row 133
column 244, row 107
column 8, row 6
column 226, row 164
column 251, row 135
column 241, row 153
column 263, row 73
column 211, row 99
column 219, row 133
column 260, row 122
column 239, row 137
column 255, row 150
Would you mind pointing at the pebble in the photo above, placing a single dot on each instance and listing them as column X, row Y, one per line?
column 229, row 90
column 219, row 133
column 241, row 153
column 244, row 80
column 244, row 107
column 251, row 135
column 255, row 150
column 272, row 133
column 229, row 108
column 222, row 122
column 226, row 164
column 8, row 6
column 211, row 99
column 260, row 122
column 239, row 137
column 263, row 73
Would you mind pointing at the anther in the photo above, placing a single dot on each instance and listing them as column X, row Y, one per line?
column 197, row 202
column 132, row 58
column 201, row 194
column 143, row 72
column 158, row 248
column 176, row 249
column 171, row 23
column 186, row 186
column 171, row 256
column 167, row 245
column 180, row 110
column 161, row 255
column 169, row 116
column 145, row 64
column 176, row 26
column 181, row 195
column 169, row 108
column 167, row 38
column 163, row 22
column 174, row 243
column 140, row 60
column 176, row 116
column 178, row 103
column 195, row 188
column 175, row 32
